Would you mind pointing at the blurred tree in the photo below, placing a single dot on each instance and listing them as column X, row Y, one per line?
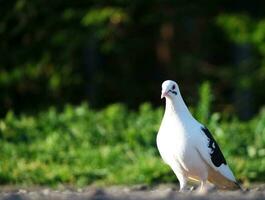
column 248, row 36
column 54, row 52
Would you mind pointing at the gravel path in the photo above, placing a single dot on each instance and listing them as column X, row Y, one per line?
column 165, row 192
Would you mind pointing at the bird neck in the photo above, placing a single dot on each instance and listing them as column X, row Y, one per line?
column 177, row 107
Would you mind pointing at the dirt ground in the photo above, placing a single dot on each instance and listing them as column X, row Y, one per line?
column 165, row 192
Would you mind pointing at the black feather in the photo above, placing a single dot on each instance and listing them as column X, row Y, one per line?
column 216, row 155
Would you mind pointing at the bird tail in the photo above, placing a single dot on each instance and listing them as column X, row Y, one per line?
column 240, row 187
column 237, row 186
column 222, row 182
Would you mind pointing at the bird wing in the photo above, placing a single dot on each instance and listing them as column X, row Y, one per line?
column 212, row 155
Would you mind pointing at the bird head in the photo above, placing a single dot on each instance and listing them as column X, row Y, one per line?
column 170, row 89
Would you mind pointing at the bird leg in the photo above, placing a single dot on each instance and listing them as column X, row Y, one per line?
column 181, row 177
column 182, row 182
column 202, row 189
column 192, row 188
column 182, row 185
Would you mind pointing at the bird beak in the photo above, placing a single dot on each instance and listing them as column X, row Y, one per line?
column 163, row 94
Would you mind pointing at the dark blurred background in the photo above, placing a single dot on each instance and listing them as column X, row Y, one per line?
column 57, row 52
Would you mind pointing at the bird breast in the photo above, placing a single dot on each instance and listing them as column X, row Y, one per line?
column 172, row 140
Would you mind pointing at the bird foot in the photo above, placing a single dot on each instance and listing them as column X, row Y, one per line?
column 187, row 190
column 205, row 189
column 201, row 191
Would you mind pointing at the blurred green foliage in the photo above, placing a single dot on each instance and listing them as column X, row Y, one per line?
column 71, row 51
column 248, row 32
column 204, row 105
column 114, row 145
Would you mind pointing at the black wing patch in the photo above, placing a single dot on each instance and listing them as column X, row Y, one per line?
column 216, row 155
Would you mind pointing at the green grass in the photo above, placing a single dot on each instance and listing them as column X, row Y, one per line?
column 81, row 146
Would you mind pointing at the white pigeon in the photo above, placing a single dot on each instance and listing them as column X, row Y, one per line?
column 188, row 147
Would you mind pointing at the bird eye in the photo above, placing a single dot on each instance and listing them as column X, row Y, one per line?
column 173, row 87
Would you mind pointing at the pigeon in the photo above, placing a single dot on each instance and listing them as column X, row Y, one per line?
column 188, row 147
